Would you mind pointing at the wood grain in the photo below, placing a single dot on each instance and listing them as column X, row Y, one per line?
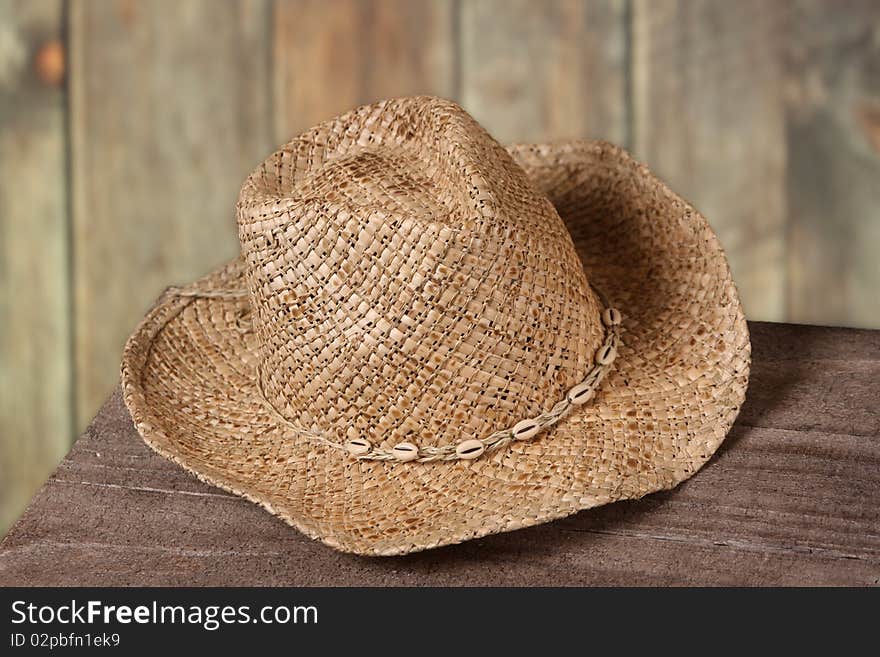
column 834, row 163
column 169, row 112
column 35, row 398
column 533, row 71
column 333, row 55
column 709, row 117
column 792, row 497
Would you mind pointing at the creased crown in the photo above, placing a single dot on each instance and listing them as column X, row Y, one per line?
column 408, row 282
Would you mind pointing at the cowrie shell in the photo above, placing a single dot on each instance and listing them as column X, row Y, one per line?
column 606, row 355
column 581, row 394
column 405, row 452
column 358, row 446
column 470, row 449
column 611, row 317
column 525, row 430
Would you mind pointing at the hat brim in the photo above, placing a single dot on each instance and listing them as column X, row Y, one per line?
column 188, row 376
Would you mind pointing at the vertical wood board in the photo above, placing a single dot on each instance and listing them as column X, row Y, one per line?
column 533, row 71
column 169, row 112
column 35, row 399
column 333, row 55
column 833, row 180
column 709, row 117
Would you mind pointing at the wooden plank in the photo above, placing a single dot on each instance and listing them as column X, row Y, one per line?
column 169, row 112
column 333, row 55
column 35, row 409
column 821, row 379
column 533, row 71
column 834, row 163
column 709, row 116
column 792, row 497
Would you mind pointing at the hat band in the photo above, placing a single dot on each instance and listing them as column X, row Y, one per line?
column 472, row 448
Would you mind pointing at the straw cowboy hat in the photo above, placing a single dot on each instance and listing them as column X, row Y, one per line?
column 429, row 338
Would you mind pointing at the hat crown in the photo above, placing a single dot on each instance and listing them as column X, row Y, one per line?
column 407, row 281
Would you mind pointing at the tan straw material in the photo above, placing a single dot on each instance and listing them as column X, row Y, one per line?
column 422, row 343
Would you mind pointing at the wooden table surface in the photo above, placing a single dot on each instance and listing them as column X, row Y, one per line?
column 792, row 497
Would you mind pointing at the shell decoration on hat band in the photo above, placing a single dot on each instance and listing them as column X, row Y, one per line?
column 473, row 448
column 470, row 449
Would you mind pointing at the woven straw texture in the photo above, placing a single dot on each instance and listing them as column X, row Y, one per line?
column 405, row 279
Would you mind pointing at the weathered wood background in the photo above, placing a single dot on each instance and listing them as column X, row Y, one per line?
column 126, row 128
